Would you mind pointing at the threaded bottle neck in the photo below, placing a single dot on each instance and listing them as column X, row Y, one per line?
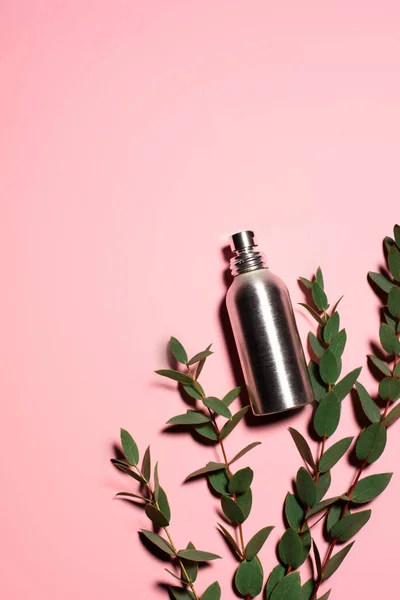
column 245, row 260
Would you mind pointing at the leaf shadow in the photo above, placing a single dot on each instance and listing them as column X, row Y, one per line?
column 189, row 430
column 359, row 415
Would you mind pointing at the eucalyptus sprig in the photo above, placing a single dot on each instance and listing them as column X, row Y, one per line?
column 234, row 488
column 314, row 479
column 155, row 502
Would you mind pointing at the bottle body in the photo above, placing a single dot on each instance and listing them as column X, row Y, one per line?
column 268, row 342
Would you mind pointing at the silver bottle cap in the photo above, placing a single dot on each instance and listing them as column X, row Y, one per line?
column 242, row 240
column 245, row 258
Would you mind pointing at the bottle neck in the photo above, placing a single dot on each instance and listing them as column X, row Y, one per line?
column 246, row 260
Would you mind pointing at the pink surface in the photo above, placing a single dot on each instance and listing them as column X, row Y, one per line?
column 135, row 136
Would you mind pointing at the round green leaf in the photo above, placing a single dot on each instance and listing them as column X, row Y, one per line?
column 207, row 430
column 327, row 415
column 129, row 447
column 371, row 443
column 323, row 485
column 178, row 351
column 249, row 578
column 370, row 487
column 334, row 454
column 241, row 481
column 294, row 511
column 318, row 386
column 338, row 344
column 156, row 515
column 219, row 481
column 329, row 367
column 331, row 328
column 316, row 345
column 288, row 588
column 276, row 575
column 213, row 592
column 388, row 339
column 306, row 488
column 245, row 502
column 232, row 510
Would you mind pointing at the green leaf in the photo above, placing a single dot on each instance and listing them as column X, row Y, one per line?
column 319, row 277
column 180, row 593
column 338, row 344
column 207, row 430
column 193, row 392
column 384, row 388
column 388, row 339
column 244, row 451
column 178, row 351
column 129, row 447
column 394, row 389
column 202, row 362
column 241, row 481
column 347, row 527
column 388, row 241
column 319, row 296
column 306, row 488
column 325, row 596
column 288, row 588
column 219, row 481
column 199, row 357
column 191, row 568
column 156, row 515
column 327, row 415
column 257, row 542
column 276, row 575
column 318, row 386
column 163, row 504
column 382, row 282
column 146, row 465
column 290, row 549
column 175, row 576
column 307, row 590
column 249, row 578
column 190, row 418
column 323, row 485
column 331, row 328
column 392, row 416
column 305, row 538
column 321, row 505
column 389, row 319
column 231, row 542
column 334, row 454
column 370, row 487
column 306, row 282
column 175, row 375
column 318, row 562
column 158, row 541
column 126, row 469
column 335, row 514
column 245, row 502
column 396, row 232
column 232, row 510
column 217, row 406
column 231, row 396
column 312, row 312
column 316, row 345
column 156, row 483
column 329, row 367
column 230, row 425
column 303, row 447
column 380, row 364
column 368, row 405
column 213, row 592
column 394, row 262
column 371, row 443
column 197, row 555
column 210, row 466
column 336, row 561
column 294, row 511
column 345, row 385
column 336, row 305
column 396, row 370
column 394, row 302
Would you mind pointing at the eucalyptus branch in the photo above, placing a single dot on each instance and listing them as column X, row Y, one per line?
column 314, row 479
column 233, row 488
column 157, row 509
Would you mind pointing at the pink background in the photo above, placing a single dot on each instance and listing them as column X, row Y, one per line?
column 135, row 137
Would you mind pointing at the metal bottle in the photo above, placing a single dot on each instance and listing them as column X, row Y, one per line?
column 265, row 332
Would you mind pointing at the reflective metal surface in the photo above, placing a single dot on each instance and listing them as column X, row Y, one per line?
column 266, row 336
